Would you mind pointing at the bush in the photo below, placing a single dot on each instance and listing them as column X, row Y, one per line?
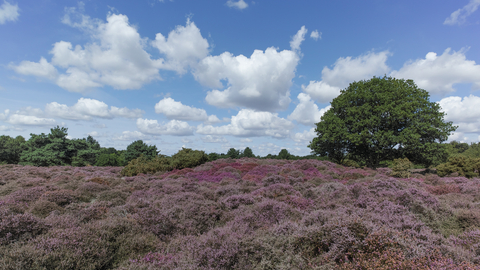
column 400, row 168
column 185, row 158
column 464, row 166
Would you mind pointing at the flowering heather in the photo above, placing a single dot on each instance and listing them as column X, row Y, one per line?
column 237, row 214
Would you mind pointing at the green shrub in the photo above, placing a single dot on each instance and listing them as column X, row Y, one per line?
column 109, row 160
column 350, row 163
column 464, row 166
column 143, row 165
column 188, row 158
column 400, row 167
column 185, row 158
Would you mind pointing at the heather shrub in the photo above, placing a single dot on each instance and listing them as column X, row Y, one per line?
column 234, row 201
column 274, row 179
column 15, row 227
column 400, row 168
column 117, row 197
column 61, row 197
column 463, row 166
column 43, row 208
column 227, row 190
column 276, row 191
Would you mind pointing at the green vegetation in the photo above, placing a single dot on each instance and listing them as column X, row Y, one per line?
column 463, row 166
column 185, row 158
column 383, row 119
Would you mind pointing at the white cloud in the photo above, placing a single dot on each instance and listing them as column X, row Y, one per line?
column 321, row 91
column 438, row 74
column 261, row 82
column 316, row 35
column 240, row 4
column 345, row 71
column 246, row 140
column 40, row 69
column 305, row 136
column 4, row 128
column 131, row 136
column 173, row 127
column 8, row 12
column 86, row 108
column 249, row 123
column 298, row 39
column 460, row 15
column 458, row 136
column 307, row 111
column 184, row 47
column 125, row 112
column 4, row 115
column 176, row 110
column 465, row 113
column 30, row 120
column 461, row 110
column 214, row 139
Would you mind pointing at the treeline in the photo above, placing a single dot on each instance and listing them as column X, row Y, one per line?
column 55, row 149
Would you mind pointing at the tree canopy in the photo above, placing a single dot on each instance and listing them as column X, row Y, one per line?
column 383, row 119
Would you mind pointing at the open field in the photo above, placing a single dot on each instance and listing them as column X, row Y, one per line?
column 237, row 214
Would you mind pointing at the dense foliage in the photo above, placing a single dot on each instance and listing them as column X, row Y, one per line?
column 383, row 119
column 237, row 214
column 185, row 158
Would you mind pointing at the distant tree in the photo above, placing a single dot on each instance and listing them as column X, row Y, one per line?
column 233, row 153
column 283, row 154
column 247, row 152
column 49, row 150
column 383, row 119
column 109, row 160
column 473, row 151
column 213, row 156
column 137, row 148
column 11, row 149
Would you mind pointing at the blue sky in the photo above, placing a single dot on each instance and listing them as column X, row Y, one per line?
column 212, row 75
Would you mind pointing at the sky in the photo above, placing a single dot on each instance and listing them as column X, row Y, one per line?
column 215, row 75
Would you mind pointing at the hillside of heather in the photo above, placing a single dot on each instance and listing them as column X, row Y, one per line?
column 237, row 214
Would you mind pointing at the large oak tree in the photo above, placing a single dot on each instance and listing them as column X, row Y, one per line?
column 383, row 119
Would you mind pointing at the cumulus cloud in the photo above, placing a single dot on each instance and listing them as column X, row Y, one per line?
column 183, row 47
column 438, row 74
column 176, row 110
column 30, row 120
column 173, row 127
column 86, row 109
column 464, row 112
column 240, row 4
column 4, row 115
column 307, row 111
column 298, row 39
column 345, row 71
column 316, row 35
column 460, row 15
column 261, row 82
column 131, row 136
column 8, row 12
column 214, row 139
column 305, row 136
column 321, row 91
column 348, row 69
column 249, row 123
column 117, row 55
column 40, row 69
